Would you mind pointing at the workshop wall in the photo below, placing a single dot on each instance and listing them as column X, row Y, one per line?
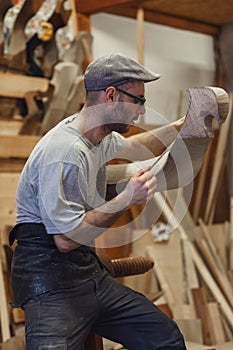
column 183, row 58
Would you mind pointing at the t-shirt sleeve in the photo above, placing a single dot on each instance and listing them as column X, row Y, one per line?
column 113, row 145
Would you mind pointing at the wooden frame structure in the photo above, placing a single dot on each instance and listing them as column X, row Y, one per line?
column 199, row 16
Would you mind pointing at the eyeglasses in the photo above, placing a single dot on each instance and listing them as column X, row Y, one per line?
column 140, row 100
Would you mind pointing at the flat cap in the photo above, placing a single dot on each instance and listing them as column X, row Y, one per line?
column 114, row 70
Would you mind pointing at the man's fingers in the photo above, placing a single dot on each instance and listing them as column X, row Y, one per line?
column 142, row 171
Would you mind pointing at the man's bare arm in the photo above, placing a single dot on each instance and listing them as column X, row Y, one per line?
column 140, row 188
column 149, row 143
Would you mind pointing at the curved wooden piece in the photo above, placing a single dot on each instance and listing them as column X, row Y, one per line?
column 64, row 36
column 78, row 49
column 4, row 7
column 206, row 103
column 16, row 38
column 76, row 97
column 186, row 154
column 44, row 12
column 9, row 23
column 63, row 78
column 41, row 52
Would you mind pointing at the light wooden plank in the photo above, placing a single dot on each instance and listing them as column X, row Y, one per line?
column 231, row 237
column 8, row 187
column 198, row 261
column 215, row 266
column 191, row 330
column 12, row 165
column 8, row 184
column 216, row 325
column 169, row 267
column 184, row 312
column 197, row 346
column 10, row 126
column 225, row 346
column 169, row 257
column 180, row 205
column 18, row 315
column 219, row 276
column 200, row 301
column 93, row 6
column 140, row 35
column 17, row 146
column 191, row 279
column 212, row 285
column 201, row 184
column 219, row 235
column 164, row 285
column 217, row 168
column 16, row 85
column 211, row 245
column 4, row 309
column 144, row 283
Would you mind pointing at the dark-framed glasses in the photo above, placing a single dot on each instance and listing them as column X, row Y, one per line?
column 140, row 100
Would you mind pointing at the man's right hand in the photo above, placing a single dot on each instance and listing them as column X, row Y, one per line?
column 141, row 187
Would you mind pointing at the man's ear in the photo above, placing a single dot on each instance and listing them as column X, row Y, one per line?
column 110, row 94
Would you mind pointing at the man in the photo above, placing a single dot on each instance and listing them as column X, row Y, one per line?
column 57, row 279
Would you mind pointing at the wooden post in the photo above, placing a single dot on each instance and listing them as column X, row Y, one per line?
column 74, row 18
column 199, row 263
column 219, row 158
column 231, row 237
column 140, row 35
column 140, row 42
column 4, row 311
column 201, row 184
column 200, row 301
column 84, row 24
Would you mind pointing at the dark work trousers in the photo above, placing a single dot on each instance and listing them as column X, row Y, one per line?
column 62, row 319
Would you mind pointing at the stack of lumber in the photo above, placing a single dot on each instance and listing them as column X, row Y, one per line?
column 193, row 270
column 14, row 151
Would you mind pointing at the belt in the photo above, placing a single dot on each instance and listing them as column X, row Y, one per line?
column 38, row 266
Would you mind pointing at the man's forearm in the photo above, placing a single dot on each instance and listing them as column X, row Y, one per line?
column 156, row 140
column 96, row 221
column 150, row 143
column 139, row 189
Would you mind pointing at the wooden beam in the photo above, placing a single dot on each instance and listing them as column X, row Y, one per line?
column 215, row 323
column 74, row 16
column 140, row 34
column 197, row 259
column 16, row 85
column 211, row 283
column 128, row 8
column 181, row 23
column 170, row 21
column 4, row 309
column 201, row 302
column 12, row 165
column 218, row 164
column 221, row 279
column 231, row 237
column 10, row 126
column 19, row 146
column 84, row 23
column 93, row 6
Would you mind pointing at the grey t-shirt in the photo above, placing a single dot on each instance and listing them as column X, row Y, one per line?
column 64, row 177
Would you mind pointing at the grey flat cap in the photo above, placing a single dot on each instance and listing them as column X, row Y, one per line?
column 113, row 70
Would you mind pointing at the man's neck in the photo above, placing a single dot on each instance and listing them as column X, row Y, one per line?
column 93, row 130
